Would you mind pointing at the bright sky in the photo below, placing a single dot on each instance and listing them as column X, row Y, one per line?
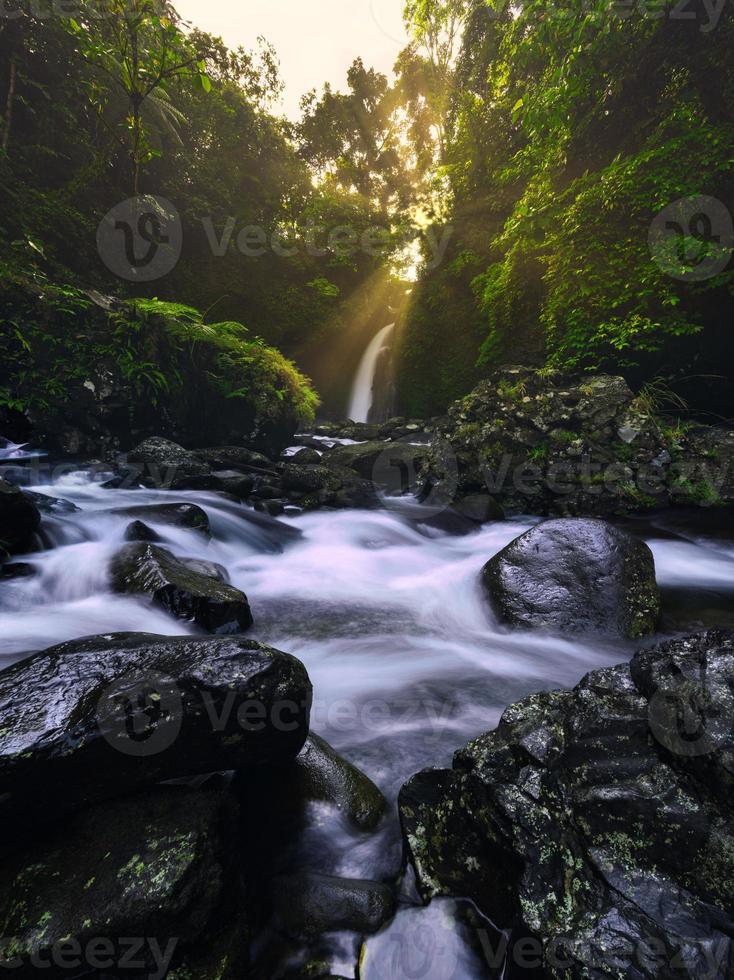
column 316, row 40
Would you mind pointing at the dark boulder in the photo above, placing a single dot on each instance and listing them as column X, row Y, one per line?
column 97, row 718
column 234, row 458
column 19, row 519
column 575, row 575
column 189, row 516
column 17, row 569
column 598, row 819
column 51, row 505
column 309, row 479
column 143, row 880
column 546, row 442
column 307, row 904
column 480, row 508
column 188, row 589
column 392, row 466
column 161, row 463
column 318, row 774
column 139, row 531
column 305, row 456
column 231, row 481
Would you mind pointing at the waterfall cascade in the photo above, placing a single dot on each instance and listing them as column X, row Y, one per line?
column 364, row 395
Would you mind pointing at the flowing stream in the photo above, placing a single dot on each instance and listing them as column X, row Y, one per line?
column 363, row 390
column 405, row 656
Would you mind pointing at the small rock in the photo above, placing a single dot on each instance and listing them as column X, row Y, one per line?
column 187, row 589
column 188, row 516
column 138, row 531
column 233, row 457
column 309, row 479
column 307, row 905
column 306, row 456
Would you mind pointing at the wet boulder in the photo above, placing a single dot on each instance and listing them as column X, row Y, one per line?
column 231, row 481
column 480, row 508
column 188, row 589
column 393, row 466
column 306, row 456
column 309, row 479
column 598, row 820
column 98, row 718
column 19, row 519
column 143, row 880
column 234, row 458
column 161, row 463
column 308, row 904
column 188, row 516
column 575, row 575
column 139, row 531
column 17, row 569
column 51, row 505
column 318, row 774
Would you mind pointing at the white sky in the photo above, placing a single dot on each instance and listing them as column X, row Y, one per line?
column 316, row 40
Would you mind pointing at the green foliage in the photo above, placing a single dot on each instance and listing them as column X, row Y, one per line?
column 160, row 357
column 570, row 129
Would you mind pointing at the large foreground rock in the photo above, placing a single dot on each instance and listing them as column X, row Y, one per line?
column 19, row 519
column 599, row 819
column 575, row 576
column 158, row 867
column 188, row 589
column 97, row 718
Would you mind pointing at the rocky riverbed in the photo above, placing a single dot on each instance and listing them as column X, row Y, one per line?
column 234, row 685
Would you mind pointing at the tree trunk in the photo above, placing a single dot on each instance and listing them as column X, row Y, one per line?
column 136, row 136
column 9, row 103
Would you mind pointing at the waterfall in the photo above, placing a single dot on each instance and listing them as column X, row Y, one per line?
column 363, row 391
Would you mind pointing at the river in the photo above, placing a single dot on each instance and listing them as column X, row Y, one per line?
column 405, row 656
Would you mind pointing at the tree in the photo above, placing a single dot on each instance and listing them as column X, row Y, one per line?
column 353, row 137
column 141, row 47
column 437, row 28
